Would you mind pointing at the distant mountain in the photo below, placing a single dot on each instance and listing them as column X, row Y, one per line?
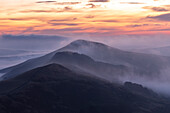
column 18, row 52
column 56, row 89
column 142, row 64
column 164, row 51
column 74, row 61
column 32, row 37
column 82, row 63
column 31, row 42
column 9, row 52
column 139, row 64
column 9, row 57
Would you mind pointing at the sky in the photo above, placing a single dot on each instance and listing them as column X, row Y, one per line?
column 85, row 17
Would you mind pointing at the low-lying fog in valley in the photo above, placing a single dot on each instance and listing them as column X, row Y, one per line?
column 19, row 48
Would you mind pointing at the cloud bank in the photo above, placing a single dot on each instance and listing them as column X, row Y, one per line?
column 31, row 42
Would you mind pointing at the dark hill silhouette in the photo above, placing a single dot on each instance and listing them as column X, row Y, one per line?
column 56, row 89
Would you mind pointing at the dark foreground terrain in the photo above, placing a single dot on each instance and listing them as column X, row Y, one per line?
column 56, row 89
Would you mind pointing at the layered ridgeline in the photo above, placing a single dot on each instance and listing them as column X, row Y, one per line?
column 141, row 64
column 97, row 59
column 56, row 89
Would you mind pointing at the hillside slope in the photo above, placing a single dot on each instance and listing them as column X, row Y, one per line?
column 56, row 89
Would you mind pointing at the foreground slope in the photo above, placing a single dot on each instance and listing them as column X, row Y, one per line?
column 56, row 89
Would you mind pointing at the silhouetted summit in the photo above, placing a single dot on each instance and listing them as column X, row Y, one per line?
column 79, row 43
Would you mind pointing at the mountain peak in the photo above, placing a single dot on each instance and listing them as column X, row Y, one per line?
column 85, row 43
column 81, row 41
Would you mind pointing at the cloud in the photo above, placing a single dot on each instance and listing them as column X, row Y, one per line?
column 163, row 17
column 46, row 2
column 40, row 11
column 67, row 24
column 91, row 5
column 138, row 25
column 109, row 20
column 30, row 37
column 99, row 0
column 65, row 9
column 89, row 16
column 158, row 29
column 63, row 22
column 21, row 18
column 131, row 3
column 157, row 9
column 142, row 25
column 59, row 3
column 71, row 29
column 60, row 20
column 42, row 19
column 31, row 42
column 67, row 3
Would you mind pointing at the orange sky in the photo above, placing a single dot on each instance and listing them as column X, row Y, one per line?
column 82, row 17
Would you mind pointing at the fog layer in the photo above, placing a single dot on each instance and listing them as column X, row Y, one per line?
column 16, row 49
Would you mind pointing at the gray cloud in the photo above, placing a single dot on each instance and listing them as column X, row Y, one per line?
column 46, row 2
column 67, row 3
column 157, row 9
column 89, row 16
column 99, row 0
column 138, row 25
column 91, row 5
column 131, row 3
column 30, row 37
column 21, row 18
column 68, row 24
column 72, row 29
column 30, row 42
column 163, row 17
column 59, row 3
column 60, row 20
column 106, row 20
column 65, row 9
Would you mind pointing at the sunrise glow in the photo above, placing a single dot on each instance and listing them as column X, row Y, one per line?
column 95, row 17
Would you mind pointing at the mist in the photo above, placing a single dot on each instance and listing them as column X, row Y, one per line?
column 160, row 85
column 31, row 42
column 15, row 49
column 158, row 65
